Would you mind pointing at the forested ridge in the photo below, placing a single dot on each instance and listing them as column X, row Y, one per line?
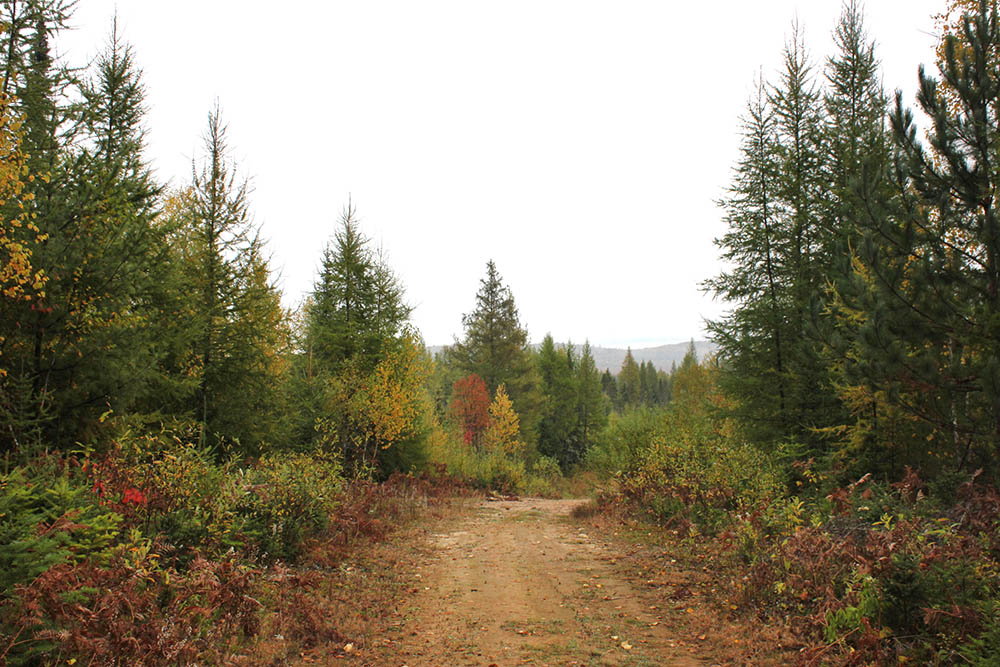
column 181, row 453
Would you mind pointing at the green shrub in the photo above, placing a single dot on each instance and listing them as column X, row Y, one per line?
column 49, row 516
column 848, row 619
column 706, row 476
column 617, row 448
column 544, row 478
column 200, row 506
column 982, row 650
column 291, row 498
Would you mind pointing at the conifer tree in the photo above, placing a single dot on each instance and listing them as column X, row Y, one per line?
column 628, row 381
column 558, row 428
column 927, row 275
column 353, row 326
column 133, row 247
column 855, row 133
column 663, row 387
column 357, row 302
column 504, row 431
column 238, row 327
column 495, row 347
column 800, row 118
column 87, row 345
column 753, row 338
column 858, row 165
column 609, row 386
column 591, row 403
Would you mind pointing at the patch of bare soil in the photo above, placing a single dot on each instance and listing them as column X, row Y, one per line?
column 521, row 582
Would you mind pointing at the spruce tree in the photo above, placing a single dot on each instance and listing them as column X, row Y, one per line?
column 628, row 381
column 133, row 247
column 609, row 385
column 353, row 326
column 88, row 344
column 558, row 428
column 495, row 347
column 238, row 326
column 591, row 402
column 341, row 323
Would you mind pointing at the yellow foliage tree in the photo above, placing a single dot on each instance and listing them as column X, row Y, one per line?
column 19, row 281
column 504, row 431
column 394, row 393
column 369, row 413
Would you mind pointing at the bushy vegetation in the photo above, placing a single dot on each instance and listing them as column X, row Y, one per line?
column 840, row 451
column 150, row 551
column 870, row 572
column 171, row 436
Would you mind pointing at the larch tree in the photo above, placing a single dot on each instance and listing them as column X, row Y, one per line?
column 801, row 184
column 753, row 337
column 504, row 431
column 237, row 321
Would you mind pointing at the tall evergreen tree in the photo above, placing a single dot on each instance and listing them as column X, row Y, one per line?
column 356, row 355
column 800, row 117
column 858, row 157
column 591, row 403
column 925, row 288
column 237, row 321
column 609, row 385
column 357, row 302
column 133, row 247
column 86, row 345
column 628, row 381
column 855, row 134
column 495, row 347
column 558, row 434
column 753, row 338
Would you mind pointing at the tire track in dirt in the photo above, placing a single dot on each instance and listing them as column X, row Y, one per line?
column 518, row 582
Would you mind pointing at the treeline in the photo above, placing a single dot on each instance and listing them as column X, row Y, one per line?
column 563, row 402
column 863, row 250
column 167, row 429
column 122, row 298
column 837, row 460
column 126, row 301
column 637, row 384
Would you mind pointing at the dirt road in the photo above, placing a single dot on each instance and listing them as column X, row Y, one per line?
column 520, row 582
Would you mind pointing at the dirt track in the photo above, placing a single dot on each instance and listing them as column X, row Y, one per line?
column 518, row 582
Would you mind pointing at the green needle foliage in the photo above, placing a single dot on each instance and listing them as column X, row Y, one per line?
column 495, row 347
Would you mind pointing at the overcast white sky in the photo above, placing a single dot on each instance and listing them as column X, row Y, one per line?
column 581, row 145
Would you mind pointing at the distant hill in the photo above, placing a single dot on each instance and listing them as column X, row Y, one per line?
column 662, row 356
column 611, row 358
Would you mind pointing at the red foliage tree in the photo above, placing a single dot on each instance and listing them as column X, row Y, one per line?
column 470, row 407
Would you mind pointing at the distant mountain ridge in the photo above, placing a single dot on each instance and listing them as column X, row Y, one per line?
column 611, row 358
